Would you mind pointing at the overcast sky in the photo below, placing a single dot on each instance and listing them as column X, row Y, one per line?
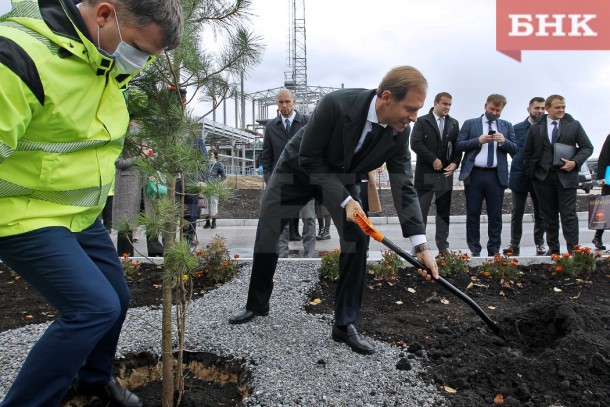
column 355, row 42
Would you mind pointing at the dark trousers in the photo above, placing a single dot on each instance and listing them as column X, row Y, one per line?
column 600, row 232
column 442, row 200
column 79, row 274
column 284, row 196
column 516, row 218
column 484, row 186
column 558, row 201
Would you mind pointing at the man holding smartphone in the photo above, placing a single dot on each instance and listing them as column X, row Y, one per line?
column 486, row 141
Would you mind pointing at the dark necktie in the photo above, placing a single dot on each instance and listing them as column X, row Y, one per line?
column 370, row 139
column 441, row 126
column 491, row 149
column 287, row 126
column 371, row 136
column 554, row 133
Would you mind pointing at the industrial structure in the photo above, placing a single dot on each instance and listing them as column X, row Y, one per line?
column 240, row 149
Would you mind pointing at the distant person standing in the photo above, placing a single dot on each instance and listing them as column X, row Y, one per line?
column 277, row 133
column 520, row 186
column 433, row 140
column 216, row 173
column 602, row 166
column 556, row 186
column 486, row 141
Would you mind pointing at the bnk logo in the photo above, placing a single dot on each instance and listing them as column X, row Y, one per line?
column 551, row 25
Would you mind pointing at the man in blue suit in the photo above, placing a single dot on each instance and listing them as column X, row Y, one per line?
column 486, row 141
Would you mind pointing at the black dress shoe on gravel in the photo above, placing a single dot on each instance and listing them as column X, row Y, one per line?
column 111, row 392
column 245, row 315
column 353, row 339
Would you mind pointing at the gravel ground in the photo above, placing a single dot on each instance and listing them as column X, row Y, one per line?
column 290, row 353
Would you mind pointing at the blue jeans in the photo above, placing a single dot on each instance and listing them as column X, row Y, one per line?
column 79, row 274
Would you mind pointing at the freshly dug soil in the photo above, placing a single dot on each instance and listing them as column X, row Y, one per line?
column 246, row 204
column 554, row 349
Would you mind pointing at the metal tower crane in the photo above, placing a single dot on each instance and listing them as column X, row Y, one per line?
column 295, row 78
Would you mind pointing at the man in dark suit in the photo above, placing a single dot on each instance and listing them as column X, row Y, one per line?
column 433, row 140
column 520, row 186
column 351, row 132
column 486, row 140
column 556, row 186
column 277, row 133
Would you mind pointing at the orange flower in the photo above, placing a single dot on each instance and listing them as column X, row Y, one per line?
column 198, row 274
column 486, row 273
column 236, row 256
column 443, row 264
column 515, row 262
column 125, row 255
column 225, row 263
column 135, row 264
column 389, row 267
column 558, row 268
column 555, row 257
column 566, row 255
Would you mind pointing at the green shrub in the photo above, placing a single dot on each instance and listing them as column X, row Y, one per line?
column 386, row 268
column 215, row 261
column 580, row 264
column 502, row 268
column 452, row 264
column 329, row 269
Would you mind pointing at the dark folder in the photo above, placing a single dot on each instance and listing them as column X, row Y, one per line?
column 562, row 151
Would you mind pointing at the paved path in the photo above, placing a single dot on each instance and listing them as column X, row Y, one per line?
column 240, row 233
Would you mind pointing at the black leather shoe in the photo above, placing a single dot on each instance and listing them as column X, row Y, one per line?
column 111, row 392
column 353, row 339
column 599, row 245
column 294, row 238
column 476, row 254
column 513, row 249
column 551, row 252
column 245, row 315
column 447, row 251
column 540, row 250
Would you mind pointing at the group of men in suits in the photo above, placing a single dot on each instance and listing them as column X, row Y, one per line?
column 486, row 141
column 354, row 131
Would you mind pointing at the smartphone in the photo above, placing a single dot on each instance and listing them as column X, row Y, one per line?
column 491, row 132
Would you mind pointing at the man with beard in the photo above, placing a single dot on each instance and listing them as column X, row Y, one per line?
column 486, row 141
column 520, row 186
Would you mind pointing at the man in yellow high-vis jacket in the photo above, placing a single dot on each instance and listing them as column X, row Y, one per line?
column 64, row 69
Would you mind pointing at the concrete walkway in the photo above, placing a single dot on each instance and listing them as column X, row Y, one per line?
column 240, row 233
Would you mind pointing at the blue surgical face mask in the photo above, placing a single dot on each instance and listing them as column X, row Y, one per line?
column 127, row 59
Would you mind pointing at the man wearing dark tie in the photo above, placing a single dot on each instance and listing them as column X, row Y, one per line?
column 277, row 133
column 486, row 141
column 520, row 186
column 351, row 132
column 433, row 140
column 556, row 185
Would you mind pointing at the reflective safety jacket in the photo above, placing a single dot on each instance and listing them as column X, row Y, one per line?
column 63, row 117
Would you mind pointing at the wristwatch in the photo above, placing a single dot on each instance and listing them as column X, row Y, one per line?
column 421, row 247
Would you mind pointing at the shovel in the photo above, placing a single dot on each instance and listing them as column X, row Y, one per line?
column 368, row 228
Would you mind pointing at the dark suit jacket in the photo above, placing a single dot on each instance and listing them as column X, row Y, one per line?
column 468, row 141
column 518, row 181
column 604, row 159
column 427, row 143
column 275, row 140
column 538, row 151
column 324, row 151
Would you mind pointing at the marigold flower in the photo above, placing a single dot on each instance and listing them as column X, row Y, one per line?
column 125, row 255
column 558, row 268
column 236, row 256
column 135, row 264
column 443, row 264
column 566, row 255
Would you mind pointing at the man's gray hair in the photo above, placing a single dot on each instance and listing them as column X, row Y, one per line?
column 165, row 13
